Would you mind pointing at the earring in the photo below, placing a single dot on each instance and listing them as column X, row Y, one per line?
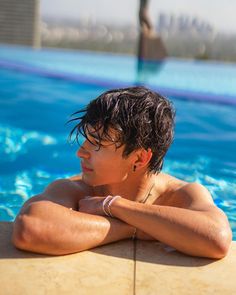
column 134, row 169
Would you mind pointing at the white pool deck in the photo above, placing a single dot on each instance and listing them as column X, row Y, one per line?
column 119, row 268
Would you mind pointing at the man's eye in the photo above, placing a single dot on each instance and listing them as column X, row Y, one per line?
column 97, row 145
column 93, row 141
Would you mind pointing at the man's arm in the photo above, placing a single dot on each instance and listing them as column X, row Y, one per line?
column 198, row 229
column 50, row 228
column 46, row 224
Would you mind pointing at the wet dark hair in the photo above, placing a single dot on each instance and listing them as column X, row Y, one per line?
column 141, row 118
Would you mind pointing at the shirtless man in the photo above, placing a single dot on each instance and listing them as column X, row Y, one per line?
column 122, row 192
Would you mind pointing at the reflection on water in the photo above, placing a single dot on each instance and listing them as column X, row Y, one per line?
column 147, row 69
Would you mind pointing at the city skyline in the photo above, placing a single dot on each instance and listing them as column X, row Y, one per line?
column 125, row 11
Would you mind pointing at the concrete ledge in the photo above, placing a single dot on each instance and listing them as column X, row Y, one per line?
column 117, row 268
column 159, row 270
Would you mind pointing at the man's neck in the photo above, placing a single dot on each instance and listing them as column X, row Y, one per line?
column 133, row 188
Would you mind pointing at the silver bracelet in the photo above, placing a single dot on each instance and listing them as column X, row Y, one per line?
column 107, row 199
column 109, row 204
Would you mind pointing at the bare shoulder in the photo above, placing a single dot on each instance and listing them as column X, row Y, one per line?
column 179, row 193
column 166, row 184
column 65, row 192
column 195, row 196
column 73, row 186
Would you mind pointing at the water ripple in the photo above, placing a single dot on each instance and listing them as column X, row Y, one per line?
column 14, row 141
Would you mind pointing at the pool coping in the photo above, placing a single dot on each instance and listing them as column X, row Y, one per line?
column 113, row 269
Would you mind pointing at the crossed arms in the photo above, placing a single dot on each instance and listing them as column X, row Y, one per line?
column 46, row 223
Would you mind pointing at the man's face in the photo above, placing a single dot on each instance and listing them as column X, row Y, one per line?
column 104, row 165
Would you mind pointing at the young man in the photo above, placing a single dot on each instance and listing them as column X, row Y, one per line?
column 122, row 192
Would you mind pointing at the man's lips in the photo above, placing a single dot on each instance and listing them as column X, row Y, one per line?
column 84, row 168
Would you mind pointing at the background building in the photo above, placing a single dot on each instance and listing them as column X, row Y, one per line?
column 20, row 22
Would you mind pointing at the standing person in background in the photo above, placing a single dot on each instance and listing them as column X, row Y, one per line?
column 144, row 19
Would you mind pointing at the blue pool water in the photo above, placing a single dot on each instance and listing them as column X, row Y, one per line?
column 182, row 78
column 40, row 89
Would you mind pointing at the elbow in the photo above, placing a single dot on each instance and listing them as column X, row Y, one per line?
column 27, row 228
column 222, row 244
column 22, row 235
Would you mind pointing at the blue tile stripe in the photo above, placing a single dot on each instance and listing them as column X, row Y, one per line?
column 109, row 83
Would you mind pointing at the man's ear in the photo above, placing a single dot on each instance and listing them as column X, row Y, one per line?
column 143, row 157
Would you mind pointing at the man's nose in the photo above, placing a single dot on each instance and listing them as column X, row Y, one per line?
column 83, row 151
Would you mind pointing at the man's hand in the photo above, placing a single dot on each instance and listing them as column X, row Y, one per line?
column 91, row 205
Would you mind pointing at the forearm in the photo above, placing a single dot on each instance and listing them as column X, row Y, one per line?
column 49, row 228
column 188, row 231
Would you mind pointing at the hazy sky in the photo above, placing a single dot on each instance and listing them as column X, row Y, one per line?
column 219, row 13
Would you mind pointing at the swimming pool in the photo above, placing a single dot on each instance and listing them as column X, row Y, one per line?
column 36, row 99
